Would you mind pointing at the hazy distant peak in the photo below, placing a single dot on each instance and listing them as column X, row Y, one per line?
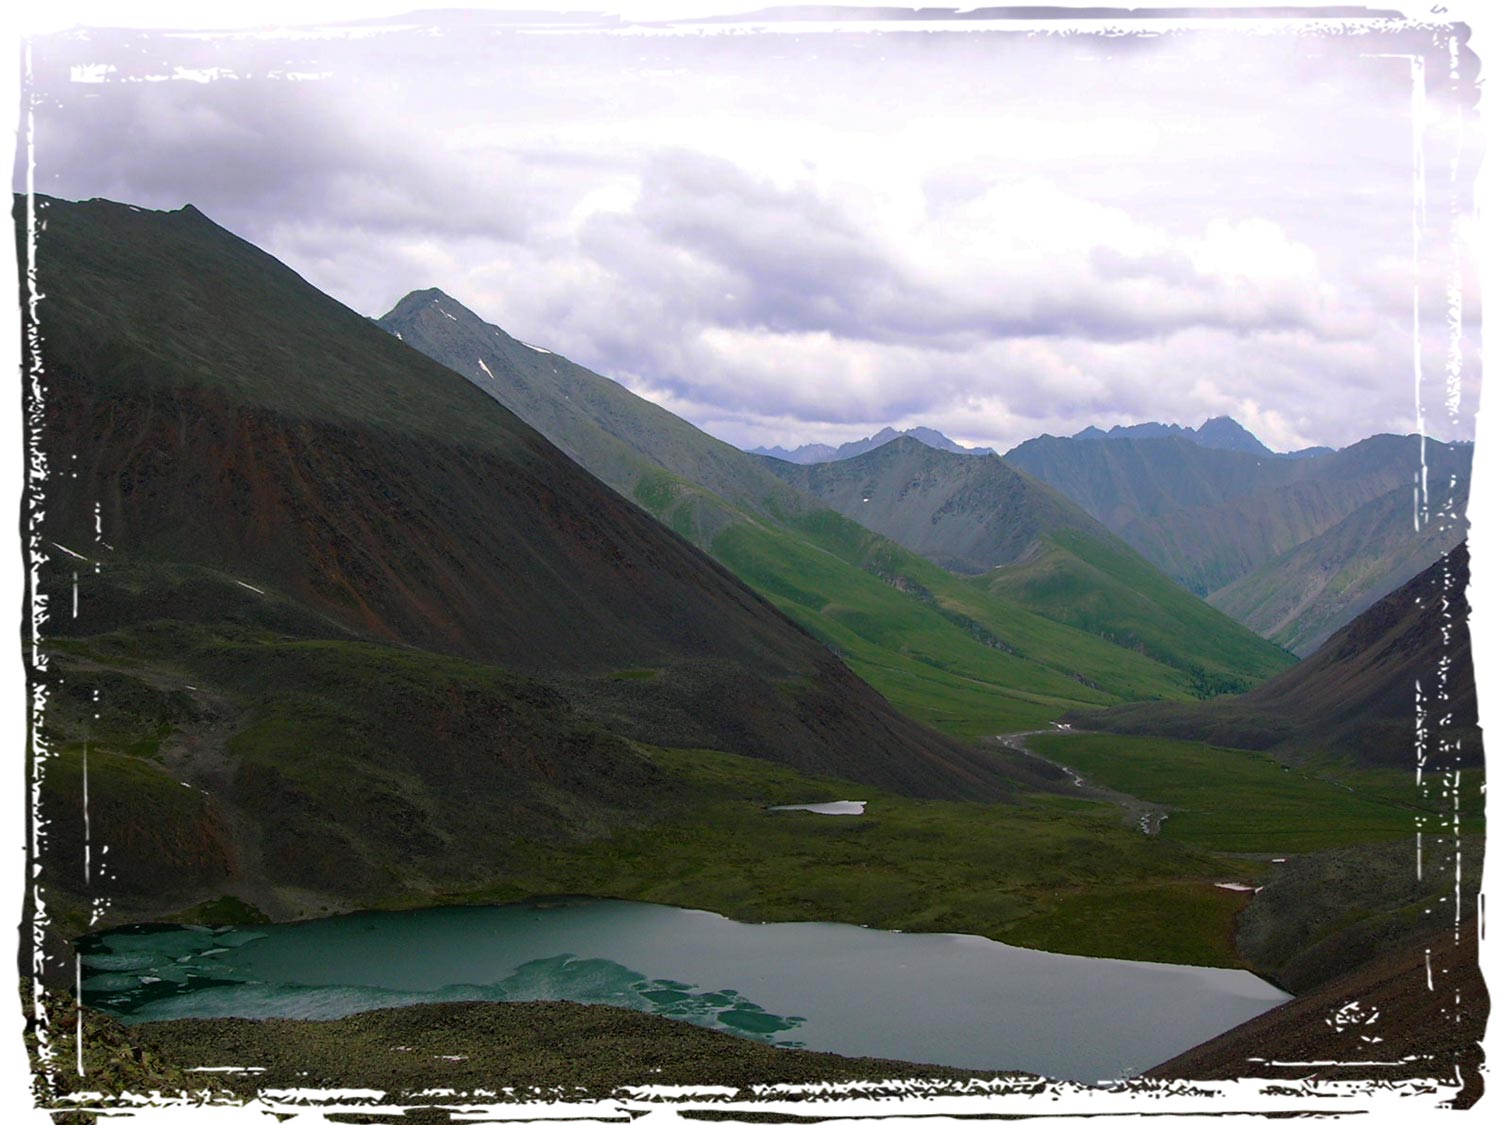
column 816, row 454
column 1222, row 432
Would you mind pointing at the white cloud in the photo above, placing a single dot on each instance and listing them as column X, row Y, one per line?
column 820, row 232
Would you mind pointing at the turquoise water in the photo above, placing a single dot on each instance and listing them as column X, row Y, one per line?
column 942, row 998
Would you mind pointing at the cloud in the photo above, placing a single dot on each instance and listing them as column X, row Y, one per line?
column 794, row 236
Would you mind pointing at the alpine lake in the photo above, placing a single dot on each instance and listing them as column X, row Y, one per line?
column 951, row 999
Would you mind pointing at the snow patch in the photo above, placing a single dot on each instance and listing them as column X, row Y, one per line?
column 485, row 369
column 247, row 586
column 534, row 348
column 827, row 808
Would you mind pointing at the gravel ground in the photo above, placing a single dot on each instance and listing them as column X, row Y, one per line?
column 492, row 1046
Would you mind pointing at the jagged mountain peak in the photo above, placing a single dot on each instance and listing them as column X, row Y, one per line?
column 1220, row 432
column 1223, row 432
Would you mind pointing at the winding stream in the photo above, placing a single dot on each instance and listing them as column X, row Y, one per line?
column 1145, row 815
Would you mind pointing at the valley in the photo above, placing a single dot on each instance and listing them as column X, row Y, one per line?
column 347, row 616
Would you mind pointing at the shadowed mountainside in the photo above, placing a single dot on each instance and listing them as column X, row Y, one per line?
column 1393, row 686
column 326, row 626
column 966, row 513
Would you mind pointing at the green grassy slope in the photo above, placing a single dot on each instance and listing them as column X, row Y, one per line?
column 1085, row 582
column 253, row 761
column 1032, row 548
column 954, row 654
column 1393, row 686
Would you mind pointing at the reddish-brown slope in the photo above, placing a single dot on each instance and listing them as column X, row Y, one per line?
column 210, row 407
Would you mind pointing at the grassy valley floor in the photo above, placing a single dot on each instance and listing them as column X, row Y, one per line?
column 1244, row 801
column 1051, row 872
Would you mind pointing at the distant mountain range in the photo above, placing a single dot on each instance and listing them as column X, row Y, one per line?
column 951, row 651
column 1222, row 432
column 968, row 514
column 1292, row 546
column 817, row 454
column 1025, row 542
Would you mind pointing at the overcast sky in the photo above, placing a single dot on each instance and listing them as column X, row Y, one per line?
column 807, row 234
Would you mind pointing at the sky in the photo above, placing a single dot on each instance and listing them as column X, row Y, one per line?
column 792, row 233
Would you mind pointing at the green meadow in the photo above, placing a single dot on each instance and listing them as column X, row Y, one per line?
column 1052, row 873
column 1244, row 801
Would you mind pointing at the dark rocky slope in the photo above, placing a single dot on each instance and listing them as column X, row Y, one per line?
column 1400, row 671
column 348, row 632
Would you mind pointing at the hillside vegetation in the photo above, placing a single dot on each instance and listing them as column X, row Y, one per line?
column 955, row 654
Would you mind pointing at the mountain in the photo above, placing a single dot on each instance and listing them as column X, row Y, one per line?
column 1222, row 432
column 1312, row 539
column 1029, row 544
column 324, row 626
column 1301, row 597
column 1395, row 682
column 968, row 514
column 817, row 454
column 953, row 653
column 803, row 455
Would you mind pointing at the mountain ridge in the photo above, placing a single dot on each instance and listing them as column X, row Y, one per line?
column 919, row 633
column 1244, row 530
column 276, row 530
column 1017, row 537
column 1356, row 697
column 817, row 453
column 1219, row 432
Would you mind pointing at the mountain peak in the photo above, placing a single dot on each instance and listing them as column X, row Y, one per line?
column 419, row 300
column 817, row 454
column 1221, row 432
column 1224, row 432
